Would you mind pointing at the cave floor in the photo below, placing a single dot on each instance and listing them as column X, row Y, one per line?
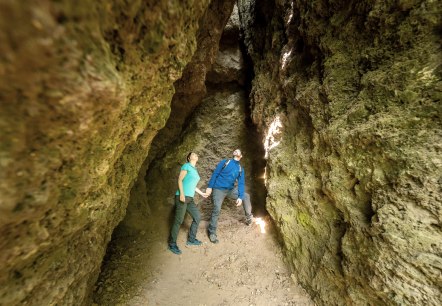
column 245, row 268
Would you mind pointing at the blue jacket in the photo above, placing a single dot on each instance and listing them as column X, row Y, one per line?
column 225, row 178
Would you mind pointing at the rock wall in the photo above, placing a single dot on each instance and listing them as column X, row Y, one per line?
column 218, row 125
column 189, row 92
column 215, row 129
column 84, row 88
column 348, row 95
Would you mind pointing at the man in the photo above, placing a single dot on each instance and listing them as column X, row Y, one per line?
column 222, row 182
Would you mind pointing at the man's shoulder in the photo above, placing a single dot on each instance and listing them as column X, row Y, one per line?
column 222, row 161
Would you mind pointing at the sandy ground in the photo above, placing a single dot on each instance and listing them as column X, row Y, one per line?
column 245, row 268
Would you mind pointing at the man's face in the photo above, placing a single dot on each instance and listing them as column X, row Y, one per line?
column 237, row 153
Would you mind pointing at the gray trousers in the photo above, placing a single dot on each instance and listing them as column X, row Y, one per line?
column 218, row 196
column 180, row 211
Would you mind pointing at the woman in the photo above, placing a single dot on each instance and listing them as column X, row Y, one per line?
column 187, row 181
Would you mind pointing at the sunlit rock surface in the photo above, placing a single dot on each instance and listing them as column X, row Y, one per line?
column 348, row 97
column 84, row 87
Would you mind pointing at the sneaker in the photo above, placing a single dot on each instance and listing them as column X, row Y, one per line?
column 213, row 238
column 194, row 242
column 174, row 249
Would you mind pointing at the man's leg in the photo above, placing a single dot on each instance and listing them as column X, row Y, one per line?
column 247, row 205
column 196, row 216
column 218, row 196
column 247, row 208
column 180, row 211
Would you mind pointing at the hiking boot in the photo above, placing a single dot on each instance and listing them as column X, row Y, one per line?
column 249, row 220
column 174, row 249
column 194, row 242
column 213, row 238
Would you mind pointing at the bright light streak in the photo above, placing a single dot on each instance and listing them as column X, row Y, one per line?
column 291, row 13
column 262, row 224
column 270, row 141
column 264, row 176
column 285, row 56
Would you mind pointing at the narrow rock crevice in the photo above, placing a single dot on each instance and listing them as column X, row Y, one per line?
column 335, row 105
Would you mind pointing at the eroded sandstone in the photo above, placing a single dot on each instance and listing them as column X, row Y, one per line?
column 85, row 87
column 348, row 95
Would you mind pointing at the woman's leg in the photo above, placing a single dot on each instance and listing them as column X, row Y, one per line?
column 196, row 216
column 180, row 211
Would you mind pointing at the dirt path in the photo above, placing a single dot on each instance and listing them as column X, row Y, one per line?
column 245, row 268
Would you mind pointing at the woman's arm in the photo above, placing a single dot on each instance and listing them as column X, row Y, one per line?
column 180, row 185
column 204, row 195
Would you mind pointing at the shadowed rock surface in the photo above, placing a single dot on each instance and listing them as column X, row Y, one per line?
column 348, row 95
column 213, row 130
column 189, row 92
column 85, row 86
column 219, row 125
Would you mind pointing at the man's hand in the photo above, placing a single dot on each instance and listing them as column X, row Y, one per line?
column 204, row 195
column 182, row 198
column 208, row 191
column 238, row 202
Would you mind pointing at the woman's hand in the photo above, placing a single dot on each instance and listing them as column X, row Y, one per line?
column 203, row 194
column 182, row 198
